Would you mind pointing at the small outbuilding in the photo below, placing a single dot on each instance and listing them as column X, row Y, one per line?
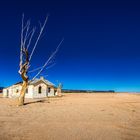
column 38, row 88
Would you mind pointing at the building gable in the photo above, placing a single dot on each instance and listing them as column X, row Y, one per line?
column 39, row 82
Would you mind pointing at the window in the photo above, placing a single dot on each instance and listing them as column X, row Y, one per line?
column 26, row 90
column 17, row 90
column 49, row 89
column 40, row 89
column 55, row 92
column 7, row 92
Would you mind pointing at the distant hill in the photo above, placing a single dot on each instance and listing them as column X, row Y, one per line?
column 87, row 91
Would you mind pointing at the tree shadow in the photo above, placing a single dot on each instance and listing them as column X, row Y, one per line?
column 34, row 102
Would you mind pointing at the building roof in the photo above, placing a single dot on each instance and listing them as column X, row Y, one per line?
column 18, row 83
column 41, row 79
column 35, row 81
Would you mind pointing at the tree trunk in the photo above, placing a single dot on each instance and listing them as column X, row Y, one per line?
column 22, row 93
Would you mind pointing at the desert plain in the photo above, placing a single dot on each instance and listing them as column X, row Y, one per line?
column 76, row 116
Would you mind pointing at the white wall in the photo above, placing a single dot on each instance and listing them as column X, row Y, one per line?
column 12, row 91
column 51, row 93
column 5, row 94
column 29, row 94
column 32, row 91
column 43, row 89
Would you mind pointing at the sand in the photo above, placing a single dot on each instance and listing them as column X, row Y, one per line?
column 72, row 117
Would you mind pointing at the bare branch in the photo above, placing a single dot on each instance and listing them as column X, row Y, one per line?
column 35, row 69
column 27, row 32
column 44, row 75
column 40, row 68
column 24, row 67
column 21, row 45
column 50, row 66
column 40, row 33
column 24, row 56
column 32, row 34
column 50, row 58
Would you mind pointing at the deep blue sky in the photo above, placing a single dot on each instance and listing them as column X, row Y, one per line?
column 101, row 49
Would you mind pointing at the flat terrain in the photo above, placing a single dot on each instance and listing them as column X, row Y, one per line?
column 72, row 117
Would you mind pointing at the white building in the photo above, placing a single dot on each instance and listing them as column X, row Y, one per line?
column 38, row 88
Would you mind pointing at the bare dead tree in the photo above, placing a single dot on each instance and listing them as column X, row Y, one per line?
column 59, row 88
column 27, row 35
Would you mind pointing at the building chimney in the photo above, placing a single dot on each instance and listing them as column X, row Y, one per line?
column 41, row 77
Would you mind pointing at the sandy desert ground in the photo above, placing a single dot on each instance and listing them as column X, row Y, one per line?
column 72, row 117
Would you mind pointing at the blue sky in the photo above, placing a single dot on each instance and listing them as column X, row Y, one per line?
column 101, row 48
